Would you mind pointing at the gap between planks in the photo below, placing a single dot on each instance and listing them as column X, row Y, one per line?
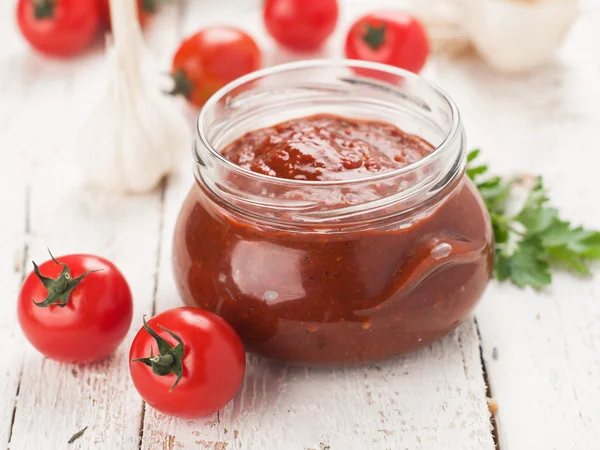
column 489, row 393
column 23, row 268
column 161, row 224
column 181, row 8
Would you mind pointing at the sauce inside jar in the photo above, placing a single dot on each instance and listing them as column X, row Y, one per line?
column 345, row 296
column 326, row 148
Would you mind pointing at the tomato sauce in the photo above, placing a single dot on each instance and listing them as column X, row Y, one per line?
column 326, row 148
column 343, row 297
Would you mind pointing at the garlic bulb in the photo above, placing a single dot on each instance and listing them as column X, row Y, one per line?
column 136, row 134
column 510, row 35
column 517, row 35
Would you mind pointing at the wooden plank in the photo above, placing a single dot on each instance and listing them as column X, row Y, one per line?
column 159, row 430
column 14, row 237
column 547, row 366
column 422, row 401
column 13, row 227
column 68, row 218
column 56, row 400
column 99, row 395
column 419, row 402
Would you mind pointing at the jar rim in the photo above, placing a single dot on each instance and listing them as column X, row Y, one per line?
column 454, row 133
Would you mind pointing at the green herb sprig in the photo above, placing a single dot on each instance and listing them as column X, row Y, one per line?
column 533, row 240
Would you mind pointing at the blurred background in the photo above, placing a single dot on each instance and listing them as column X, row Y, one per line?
column 488, row 54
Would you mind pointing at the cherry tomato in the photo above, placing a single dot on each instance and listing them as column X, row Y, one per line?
column 395, row 38
column 187, row 362
column 58, row 27
column 75, row 308
column 211, row 58
column 301, row 25
column 146, row 9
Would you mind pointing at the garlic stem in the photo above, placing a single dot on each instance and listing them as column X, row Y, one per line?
column 124, row 21
column 135, row 134
column 128, row 41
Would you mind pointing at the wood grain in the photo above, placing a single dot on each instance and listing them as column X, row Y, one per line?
column 547, row 368
column 56, row 400
column 420, row 402
column 13, row 228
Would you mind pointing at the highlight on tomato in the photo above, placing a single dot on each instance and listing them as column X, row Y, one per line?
column 389, row 37
column 58, row 27
column 187, row 362
column 75, row 308
column 300, row 25
column 211, row 58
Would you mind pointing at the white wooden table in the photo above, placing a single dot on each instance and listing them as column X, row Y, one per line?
column 540, row 351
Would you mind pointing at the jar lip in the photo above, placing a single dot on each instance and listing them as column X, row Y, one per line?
column 453, row 134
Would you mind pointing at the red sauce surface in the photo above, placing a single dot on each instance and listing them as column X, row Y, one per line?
column 325, row 147
column 342, row 297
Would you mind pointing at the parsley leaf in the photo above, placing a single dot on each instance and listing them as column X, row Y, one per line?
column 527, row 266
column 529, row 243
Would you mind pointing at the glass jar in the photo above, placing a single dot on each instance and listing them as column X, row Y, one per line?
column 333, row 272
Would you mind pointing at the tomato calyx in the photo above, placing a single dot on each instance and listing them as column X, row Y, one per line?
column 181, row 84
column 150, row 6
column 43, row 9
column 374, row 37
column 60, row 288
column 169, row 359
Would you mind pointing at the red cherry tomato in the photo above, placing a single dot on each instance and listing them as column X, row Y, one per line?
column 58, row 27
column 76, row 308
column 301, row 25
column 187, row 362
column 395, row 38
column 211, row 58
column 146, row 9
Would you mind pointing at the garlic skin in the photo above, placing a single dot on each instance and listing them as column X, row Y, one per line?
column 136, row 134
column 443, row 21
column 517, row 36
